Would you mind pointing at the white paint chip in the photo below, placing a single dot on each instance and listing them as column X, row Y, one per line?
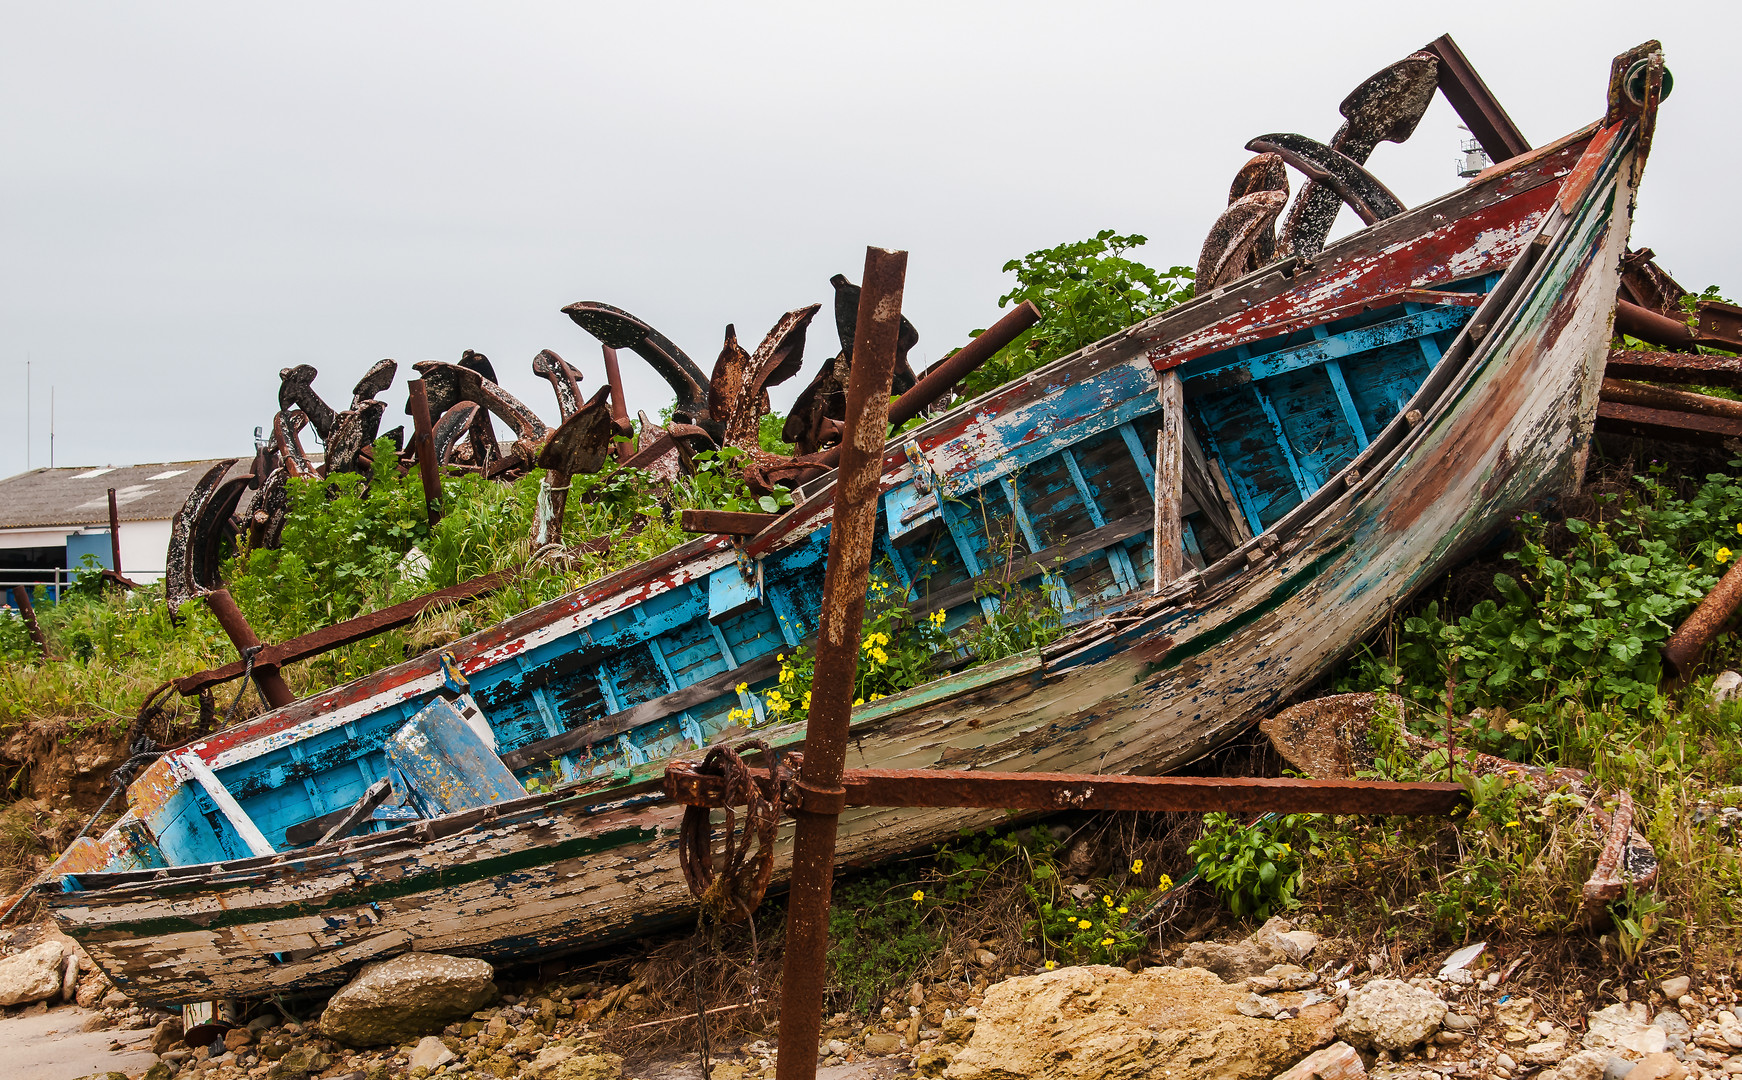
column 167, row 475
column 93, row 473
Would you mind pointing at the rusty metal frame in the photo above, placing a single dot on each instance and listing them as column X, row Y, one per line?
column 341, row 634
column 1474, row 103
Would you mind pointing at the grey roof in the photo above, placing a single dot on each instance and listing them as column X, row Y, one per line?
column 80, row 496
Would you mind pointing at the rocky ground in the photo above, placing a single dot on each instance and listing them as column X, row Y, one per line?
column 1281, row 1003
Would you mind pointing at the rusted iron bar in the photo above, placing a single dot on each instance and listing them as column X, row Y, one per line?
column 21, row 597
column 289, row 446
column 1662, row 397
column 1690, row 639
column 345, row 633
column 114, row 534
column 725, row 522
column 1673, row 367
column 423, row 436
column 1647, row 325
column 623, row 451
column 266, row 677
column 851, row 539
column 1718, row 324
column 1667, row 425
column 1474, row 103
column 114, row 572
column 946, row 373
column 1068, row 791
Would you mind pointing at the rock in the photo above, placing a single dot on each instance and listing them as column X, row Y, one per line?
column 1622, row 1027
column 430, row 1052
column 1390, row 1015
column 32, row 975
column 1617, row 1067
column 1297, row 945
column 589, row 1067
column 1673, row 1023
column 159, row 1070
column 1658, row 1066
column 545, row 1064
column 1673, row 989
column 1232, row 962
column 884, row 1043
column 1726, row 686
column 1088, row 1023
column 236, row 1038
column 397, row 1000
column 166, row 1036
column 1459, row 1022
column 114, row 999
column 1269, row 937
column 835, row 1047
column 985, row 957
column 1545, row 1051
column 1338, row 1061
column 90, row 992
column 916, row 995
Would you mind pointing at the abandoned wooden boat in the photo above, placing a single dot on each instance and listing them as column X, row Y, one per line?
column 1352, row 422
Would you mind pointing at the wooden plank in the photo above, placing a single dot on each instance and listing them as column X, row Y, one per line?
column 1040, row 562
column 1334, row 371
column 1169, row 481
column 725, row 522
column 1235, row 372
column 636, row 715
column 1118, row 559
column 362, row 808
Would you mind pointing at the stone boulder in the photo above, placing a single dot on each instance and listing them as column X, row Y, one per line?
column 405, row 998
column 1390, row 1015
column 1091, row 1023
column 1241, row 960
column 1625, row 1028
column 1580, row 1065
column 32, row 975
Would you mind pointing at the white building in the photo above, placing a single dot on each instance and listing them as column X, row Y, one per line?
column 50, row 518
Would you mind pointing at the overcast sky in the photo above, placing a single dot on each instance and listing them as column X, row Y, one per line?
column 194, row 196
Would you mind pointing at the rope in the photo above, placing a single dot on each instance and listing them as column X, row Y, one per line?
column 735, row 893
column 248, row 656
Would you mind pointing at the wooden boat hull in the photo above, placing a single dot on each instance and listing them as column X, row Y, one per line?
column 1168, row 679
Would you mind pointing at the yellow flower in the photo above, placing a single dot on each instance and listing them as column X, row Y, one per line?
column 1123, row 909
column 1512, row 824
column 937, row 618
column 934, row 562
column 1106, row 941
column 1108, row 900
column 1164, row 883
column 918, row 895
column 858, row 701
column 741, row 687
column 781, row 657
column 880, row 656
column 1137, row 866
column 1083, row 924
column 807, row 699
column 1050, row 964
column 1739, row 529
column 1723, row 555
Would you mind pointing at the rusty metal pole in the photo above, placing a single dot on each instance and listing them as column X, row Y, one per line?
column 266, row 677
column 114, row 534
column 619, row 403
column 424, row 434
column 821, row 796
column 1690, row 639
column 21, row 596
